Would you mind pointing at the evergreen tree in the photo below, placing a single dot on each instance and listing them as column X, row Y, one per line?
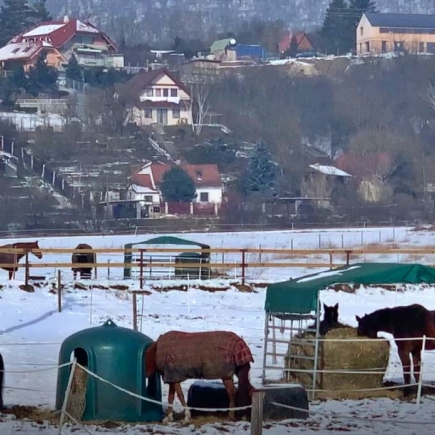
column 293, row 49
column 261, row 175
column 42, row 78
column 357, row 8
column 15, row 18
column 40, row 13
column 73, row 70
column 177, row 186
column 18, row 79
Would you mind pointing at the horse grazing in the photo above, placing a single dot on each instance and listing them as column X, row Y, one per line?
column 2, row 375
column 83, row 258
column 14, row 258
column 178, row 356
column 330, row 320
column 411, row 321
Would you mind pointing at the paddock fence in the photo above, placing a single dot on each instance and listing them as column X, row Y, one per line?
column 238, row 264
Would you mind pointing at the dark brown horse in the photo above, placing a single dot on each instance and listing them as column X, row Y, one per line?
column 14, row 258
column 83, row 258
column 178, row 356
column 411, row 321
column 2, row 371
column 329, row 321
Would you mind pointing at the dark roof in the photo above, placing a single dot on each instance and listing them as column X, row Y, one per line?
column 130, row 91
column 421, row 21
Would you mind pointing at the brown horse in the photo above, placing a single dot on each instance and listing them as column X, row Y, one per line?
column 83, row 258
column 413, row 322
column 14, row 258
column 178, row 356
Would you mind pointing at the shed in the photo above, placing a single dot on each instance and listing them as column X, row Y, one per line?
column 296, row 300
column 117, row 355
column 148, row 259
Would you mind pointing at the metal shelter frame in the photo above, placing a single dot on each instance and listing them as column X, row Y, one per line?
column 299, row 325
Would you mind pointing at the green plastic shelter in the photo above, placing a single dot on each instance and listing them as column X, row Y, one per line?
column 117, row 355
column 301, row 295
column 165, row 240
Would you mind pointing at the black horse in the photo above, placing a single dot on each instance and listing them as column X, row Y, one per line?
column 81, row 260
column 411, row 322
column 330, row 320
column 2, row 375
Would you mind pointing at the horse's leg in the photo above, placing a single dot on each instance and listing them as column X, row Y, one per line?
column 406, row 365
column 179, row 391
column 416, row 360
column 170, row 412
column 231, row 390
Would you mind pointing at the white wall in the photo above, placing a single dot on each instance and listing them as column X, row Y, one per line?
column 214, row 194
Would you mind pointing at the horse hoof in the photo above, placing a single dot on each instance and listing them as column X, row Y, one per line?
column 407, row 391
column 168, row 419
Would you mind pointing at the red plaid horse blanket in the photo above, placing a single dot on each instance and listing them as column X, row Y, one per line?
column 200, row 355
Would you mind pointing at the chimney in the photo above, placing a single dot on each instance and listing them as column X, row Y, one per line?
column 65, row 18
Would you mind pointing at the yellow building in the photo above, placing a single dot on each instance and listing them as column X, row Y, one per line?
column 379, row 33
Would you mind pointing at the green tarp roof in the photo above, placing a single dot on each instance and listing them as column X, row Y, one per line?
column 300, row 295
column 220, row 45
column 167, row 240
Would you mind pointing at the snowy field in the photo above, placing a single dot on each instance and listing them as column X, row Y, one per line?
column 32, row 330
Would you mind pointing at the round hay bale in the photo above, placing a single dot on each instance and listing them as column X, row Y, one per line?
column 356, row 354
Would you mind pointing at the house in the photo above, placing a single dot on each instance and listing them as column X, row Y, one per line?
column 145, row 184
column 26, row 54
column 301, row 40
column 156, row 97
column 228, row 50
column 319, row 181
column 379, row 33
column 220, row 49
column 91, row 47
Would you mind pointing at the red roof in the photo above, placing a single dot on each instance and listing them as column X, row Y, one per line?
column 60, row 32
column 202, row 175
column 304, row 44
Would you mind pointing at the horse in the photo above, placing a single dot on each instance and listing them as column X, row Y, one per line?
column 330, row 320
column 411, row 321
column 2, row 371
column 9, row 258
column 83, row 258
column 178, row 356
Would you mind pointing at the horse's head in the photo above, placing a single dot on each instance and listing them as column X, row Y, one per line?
column 366, row 327
column 330, row 314
column 36, row 246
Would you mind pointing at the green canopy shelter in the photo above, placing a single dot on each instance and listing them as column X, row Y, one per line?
column 295, row 301
column 186, row 257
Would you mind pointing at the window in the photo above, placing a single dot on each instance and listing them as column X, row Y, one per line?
column 158, row 92
column 361, row 30
column 384, row 46
column 148, row 113
column 421, row 47
column 398, row 46
column 148, row 92
column 166, row 92
column 367, row 47
column 175, row 113
column 15, row 50
column 148, row 198
column 174, row 92
column 156, row 209
column 203, row 196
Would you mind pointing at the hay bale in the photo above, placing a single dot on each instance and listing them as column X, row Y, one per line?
column 356, row 354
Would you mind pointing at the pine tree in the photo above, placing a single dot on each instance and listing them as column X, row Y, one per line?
column 15, row 18
column 73, row 70
column 18, row 79
column 42, row 78
column 262, row 171
column 177, row 186
column 40, row 12
column 293, row 49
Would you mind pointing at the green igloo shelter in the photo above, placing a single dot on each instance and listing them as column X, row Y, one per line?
column 117, row 355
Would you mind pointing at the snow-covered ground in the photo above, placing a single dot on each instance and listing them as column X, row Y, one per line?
column 31, row 331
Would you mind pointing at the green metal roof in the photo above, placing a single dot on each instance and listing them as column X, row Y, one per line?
column 300, row 295
column 220, row 45
column 167, row 240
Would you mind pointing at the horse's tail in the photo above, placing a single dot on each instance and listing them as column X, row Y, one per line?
column 2, row 375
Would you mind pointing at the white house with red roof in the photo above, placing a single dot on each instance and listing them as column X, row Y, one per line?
column 146, row 180
column 91, row 47
column 156, row 97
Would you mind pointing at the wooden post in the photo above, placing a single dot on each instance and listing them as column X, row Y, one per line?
column 26, row 272
column 59, row 291
column 108, row 269
column 243, row 266
column 134, row 310
column 330, row 260
column 141, row 270
column 347, row 257
column 257, row 413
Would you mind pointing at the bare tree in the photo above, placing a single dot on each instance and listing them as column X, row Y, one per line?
column 199, row 106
